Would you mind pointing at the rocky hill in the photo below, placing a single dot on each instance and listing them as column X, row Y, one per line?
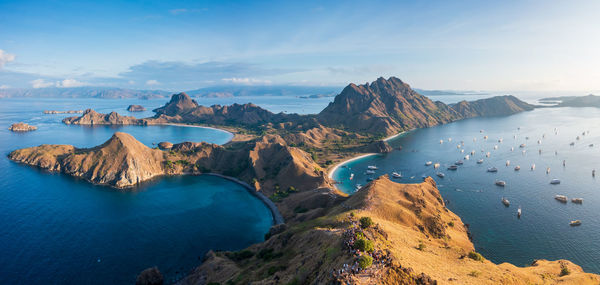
column 387, row 233
column 21, row 127
column 495, row 106
column 573, row 101
column 91, row 117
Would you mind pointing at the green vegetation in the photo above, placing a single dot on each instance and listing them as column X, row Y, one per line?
column 274, row 269
column 364, row 245
column 475, row 256
column 564, row 271
column 268, row 254
column 240, row 255
column 474, row 273
column 421, row 246
column 281, row 194
column 365, row 222
column 365, row 261
column 451, row 224
column 300, row 210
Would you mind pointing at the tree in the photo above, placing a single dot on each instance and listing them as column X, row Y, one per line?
column 365, row 261
column 364, row 245
column 366, row 222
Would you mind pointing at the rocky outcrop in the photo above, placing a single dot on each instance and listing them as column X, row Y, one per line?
column 21, row 127
column 150, row 276
column 91, row 117
column 495, row 106
column 377, row 147
column 165, row 145
column 136, row 108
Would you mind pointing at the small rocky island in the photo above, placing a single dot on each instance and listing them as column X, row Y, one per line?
column 21, row 127
column 136, row 108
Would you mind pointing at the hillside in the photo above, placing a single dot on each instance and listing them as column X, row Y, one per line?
column 415, row 240
column 495, row 106
column 574, row 101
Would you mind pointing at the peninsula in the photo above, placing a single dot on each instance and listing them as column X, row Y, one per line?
column 396, row 233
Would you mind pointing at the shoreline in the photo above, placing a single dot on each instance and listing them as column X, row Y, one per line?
column 394, row 136
column 203, row 127
column 335, row 167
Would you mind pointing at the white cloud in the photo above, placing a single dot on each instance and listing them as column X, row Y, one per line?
column 246, row 81
column 4, row 86
column 177, row 11
column 152, row 82
column 5, row 58
column 41, row 83
column 131, row 82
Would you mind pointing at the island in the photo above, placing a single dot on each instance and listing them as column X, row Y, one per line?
column 395, row 233
column 21, row 127
column 573, row 101
column 136, row 108
column 63, row 112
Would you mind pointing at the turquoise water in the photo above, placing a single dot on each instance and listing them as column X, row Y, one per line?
column 56, row 229
column 543, row 230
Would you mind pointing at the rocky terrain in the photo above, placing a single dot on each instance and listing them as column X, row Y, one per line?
column 91, row 117
column 136, row 108
column 573, row 101
column 21, row 127
column 495, row 106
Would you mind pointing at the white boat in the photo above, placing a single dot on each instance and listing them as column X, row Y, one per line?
column 441, row 141
column 500, row 183
column 358, row 186
column 593, row 172
column 436, row 165
column 575, row 223
column 396, row 174
column 505, row 202
column 439, row 174
column 512, row 148
column 370, row 172
column 459, row 162
column 457, row 146
column 480, row 161
column 533, row 166
column 372, row 167
column 500, row 140
column 561, row 198
column 487, row 154
column 485, row 137
column 554, row 181
column 591, row 145
column 519, row 212
column 351, row 176
column 492, row 169
column 547, row 170
column 449, row 139
column 577, row 200
column 462, row 151
column 572, row 144
column 467, row 157
column 539, row 142
column 517, row 168
column 473, row 152
column 540, row 151
column 452, row 167
column 577, row 138
column 507, row 162
column 522, row 145
column 428, row 163
column 495, row 147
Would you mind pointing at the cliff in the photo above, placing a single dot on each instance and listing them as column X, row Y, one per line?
column 495, row 106
column 91, row 117
column 21, row 127
column 411, row 239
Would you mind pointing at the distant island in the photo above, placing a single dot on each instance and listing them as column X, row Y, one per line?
column 573, row 101
column 402, row 233
column 136, row 108
column 63, row 112
column 21, row 127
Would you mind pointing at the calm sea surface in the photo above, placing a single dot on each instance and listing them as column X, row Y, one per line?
column 543, row 231
column 56, row 229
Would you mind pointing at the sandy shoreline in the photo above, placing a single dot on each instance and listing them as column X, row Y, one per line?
column 330, row 175
column 393, row 136
column 204, row 127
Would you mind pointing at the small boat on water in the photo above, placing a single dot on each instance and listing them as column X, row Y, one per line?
column 564, row 163
column 526, row 138
column 500, row 140
column 505, row 202
column 436, row 165
column 577, row 200
column 517, row 168
column 533, row 166
column 593, row 172
column 591, row 145
column 575, row 223
column 351, row 176
column 572, row 144
column 512, row 148
column 452, row 167
column 428, row 163
column 519, row 212
column 467, row 157
column 495, row 147
column 561, row 198
column 473, row 152
column 540, row 151
column 554, row 181
column 396, row 174
column 441, row 175
column 370, row 172
column 480, row 161
column 492, row 169
column 358, row 186
column 485, row 137
column 459, row 162
column 441, row 141
column 462, row 151
column 501, row 183
column 449, row 139
column 487, row 154
column 577, row 138
column 547, row 170
column 372, row 167
column 507, row 162
column 539, row 142
column 457, row 146
column 522, row 145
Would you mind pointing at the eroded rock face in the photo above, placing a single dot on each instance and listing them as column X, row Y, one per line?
column 165, row 145
column 136, row 108
column 21, row 127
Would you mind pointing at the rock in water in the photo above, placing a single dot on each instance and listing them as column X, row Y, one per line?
column 136, row 108
column 21, row 127
column 150, row 276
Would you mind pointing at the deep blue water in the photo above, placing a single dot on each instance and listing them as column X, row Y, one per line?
column 543, row 230
column 56, row 229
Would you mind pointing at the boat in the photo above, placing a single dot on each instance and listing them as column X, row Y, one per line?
column 370, row 172
column 449, row 139
column 526, row 138
column 480, row 161
column 351, row 176
column 522, row 145
column 539, row 142
column 572, row 144
column 428, row 163
column 505, row 202
column 487, row 154
column 457, row 146
column 441, row 141
column 441, row 175
column 358, row 186
column 485, row 137
column 547, row 170
column 540, row 151
column 593, row 172
column 507, row 162
column 396, row 175
column 519, row 212
column 452, row 167
column 591, row 145
column 564, row 162
column 512, row 148
column 372, row 167
column 499, row 140
column 473, row 152
column 467, row 157
column 500, row 183
column 555, row 181
column 575, row 223
column 561, row 198
column 517, row 168
column 533, row 166
column 577, row 200
column 459, row 162
column 577, row 138
column 462, row 151
column 495, row 147
column 492, row 169
column 436, row 165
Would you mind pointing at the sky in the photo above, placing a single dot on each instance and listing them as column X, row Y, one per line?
column 183, row 45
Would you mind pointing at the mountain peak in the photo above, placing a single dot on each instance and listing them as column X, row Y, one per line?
column 180, row 103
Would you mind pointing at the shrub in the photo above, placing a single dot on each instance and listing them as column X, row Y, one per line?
column 364, row 245
column 267, row 254
column 365, row 261
column 366, row 222
column 241, row 255
column 421, row 246
column 474, row 273
column 565, row 271
column 475, row 256
column 451, row 224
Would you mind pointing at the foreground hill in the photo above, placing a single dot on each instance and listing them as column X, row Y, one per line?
column 413, row 239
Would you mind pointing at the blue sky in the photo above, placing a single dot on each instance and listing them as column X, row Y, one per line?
column 182, row 45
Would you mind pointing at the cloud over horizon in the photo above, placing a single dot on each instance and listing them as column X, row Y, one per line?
column 5, row 58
